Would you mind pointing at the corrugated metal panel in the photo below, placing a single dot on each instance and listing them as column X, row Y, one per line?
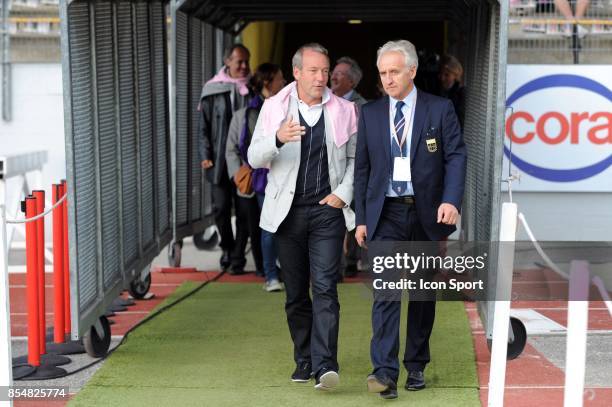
column 84, row 153
column 182, row 120
column 161, row 112
column 145, row 125
column 107, row 142
column 208, row 68
column 117, row 132
column 127, row 89
column 195, row 50
column 208, row 53
column 476, row 223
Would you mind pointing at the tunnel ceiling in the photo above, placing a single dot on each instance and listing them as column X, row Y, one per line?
column 233, row 15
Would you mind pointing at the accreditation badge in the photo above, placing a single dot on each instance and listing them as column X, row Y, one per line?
column 432, row 146
column 401, row 169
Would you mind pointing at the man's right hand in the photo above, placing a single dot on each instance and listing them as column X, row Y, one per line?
column 360, row 235
column 290, row 131
column 206, row 164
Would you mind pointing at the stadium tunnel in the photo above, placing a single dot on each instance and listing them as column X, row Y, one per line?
column 133, row 73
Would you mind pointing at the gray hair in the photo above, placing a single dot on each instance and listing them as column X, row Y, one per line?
column 355, row 71
column 296, row 61
column 403, row 47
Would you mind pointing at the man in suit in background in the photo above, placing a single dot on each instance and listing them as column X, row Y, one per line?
column 344, row 79
column 409, row 181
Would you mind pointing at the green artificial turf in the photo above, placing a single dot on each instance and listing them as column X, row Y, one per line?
column 229, row 345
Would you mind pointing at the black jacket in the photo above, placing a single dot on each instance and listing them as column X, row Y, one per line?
column 456, row 94
column 215, row 115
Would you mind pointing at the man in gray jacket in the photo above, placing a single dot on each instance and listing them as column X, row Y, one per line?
column 225, row 93
column 305, row 135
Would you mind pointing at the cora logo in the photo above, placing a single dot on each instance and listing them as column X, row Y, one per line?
column 566, row 127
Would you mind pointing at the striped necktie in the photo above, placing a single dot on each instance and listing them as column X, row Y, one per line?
column 399, row 122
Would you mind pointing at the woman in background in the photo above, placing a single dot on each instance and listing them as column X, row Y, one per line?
column 266, row 81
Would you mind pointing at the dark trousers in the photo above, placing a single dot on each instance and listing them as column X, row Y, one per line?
column 268, row 248
column 224, row 198
column 310, row 249
column 399, row 222
column 248, row 209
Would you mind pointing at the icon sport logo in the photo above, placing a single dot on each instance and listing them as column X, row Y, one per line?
column 568, row 126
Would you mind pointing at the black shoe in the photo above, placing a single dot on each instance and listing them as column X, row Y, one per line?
column 302, row 373
column 416, row 380
column 236, row 271
column 350, row 270
column 327, row 379
column 388, row 394
column 380, row 384
column 225, row 261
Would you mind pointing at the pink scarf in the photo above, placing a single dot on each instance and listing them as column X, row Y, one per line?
column 342, row 114
column 241, row 83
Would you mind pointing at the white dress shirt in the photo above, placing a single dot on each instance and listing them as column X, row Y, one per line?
column 408, row 111
column 311, row 114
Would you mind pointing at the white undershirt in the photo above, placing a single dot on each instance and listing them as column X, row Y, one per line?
column 311, row 114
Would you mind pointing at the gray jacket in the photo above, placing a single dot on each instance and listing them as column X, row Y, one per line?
column 216, row 110
column 284, row 164
column 232, row 152
column 358, row 99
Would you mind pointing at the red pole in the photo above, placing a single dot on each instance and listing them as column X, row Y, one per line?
column 58, row 266
column 32, row 284
column 40, row 235
column 67, row 322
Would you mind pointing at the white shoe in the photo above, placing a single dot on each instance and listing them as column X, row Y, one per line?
column 328, row 381
column 273, row 285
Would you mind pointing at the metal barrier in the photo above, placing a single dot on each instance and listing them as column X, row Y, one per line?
column 117, row 147
column 485, row 66
column 560, row 32
column 194, row 45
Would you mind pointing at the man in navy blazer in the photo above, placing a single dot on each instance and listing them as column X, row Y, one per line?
column 410, row 168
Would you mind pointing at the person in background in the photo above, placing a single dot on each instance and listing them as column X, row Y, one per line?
column 225, row 93
column 344, row 79
column 266, row 81
column 564, row 7
column 450, row 79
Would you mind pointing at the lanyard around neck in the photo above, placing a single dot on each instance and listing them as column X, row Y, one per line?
column 405, row 131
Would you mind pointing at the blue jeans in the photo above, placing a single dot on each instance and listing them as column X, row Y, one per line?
column 268, row 248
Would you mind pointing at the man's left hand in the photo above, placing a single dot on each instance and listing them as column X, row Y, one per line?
column 333, row 201
column 447, row 214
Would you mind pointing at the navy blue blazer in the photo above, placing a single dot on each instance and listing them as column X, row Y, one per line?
column 437, row 176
